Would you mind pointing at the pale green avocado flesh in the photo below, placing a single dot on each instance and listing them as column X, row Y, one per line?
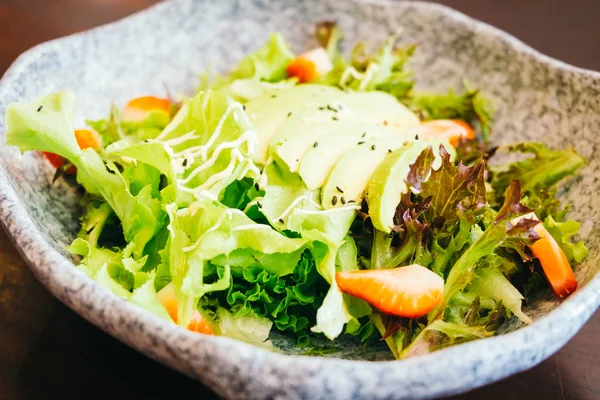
column 349, row 177
column 304, row 113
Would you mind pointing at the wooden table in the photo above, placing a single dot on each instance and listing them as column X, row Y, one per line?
column 47, row 351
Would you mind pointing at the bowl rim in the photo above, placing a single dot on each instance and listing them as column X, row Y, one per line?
column 66, row 281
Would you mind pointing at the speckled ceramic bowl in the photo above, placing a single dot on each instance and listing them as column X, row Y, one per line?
column 536, row 98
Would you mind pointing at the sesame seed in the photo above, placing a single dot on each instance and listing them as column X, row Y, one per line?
column 256, row 186
column 40, row 108
column 385, row 123
column 316, row 144
column 343, row 200
column 259, row 204
column 273, row 96
column 334, row 118
column 339, row 189
column 321, row 108
column 334, row 200
column 184, row 163
column 416, row 137
column 359, row 143
column 289, row 114
column 389, row 150
column 364, row 134
column 244, row 107
column 373, row 147
column 351, row 201
column 281, row 220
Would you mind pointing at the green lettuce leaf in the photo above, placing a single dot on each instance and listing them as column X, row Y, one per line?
column 51, row 130
column 492, row 283
column 562, row 233
column 547, row 168
column 463, row 271
column 471, row 107
column 267, row 63
column 209, row 142
column 206, row 230
column 250, row 327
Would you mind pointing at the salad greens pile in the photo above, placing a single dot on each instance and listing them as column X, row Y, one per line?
column 248, row 197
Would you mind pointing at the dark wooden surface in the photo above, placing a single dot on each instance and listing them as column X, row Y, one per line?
column 47, row 351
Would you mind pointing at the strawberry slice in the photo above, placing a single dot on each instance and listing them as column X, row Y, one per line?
column 410, row 291
column 139, row 108
column 85, row 139
column 197, row 323
column 554, row 262
column 308, row 66
column 446, row 129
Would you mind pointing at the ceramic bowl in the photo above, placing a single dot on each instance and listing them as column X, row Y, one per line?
column 536, row 98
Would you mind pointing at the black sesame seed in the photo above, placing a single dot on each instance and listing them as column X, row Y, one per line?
column 281, row 220
column 321, row 108
column 259, row 204
column 185, row 161
column 351, row 201
column 334, row 200
column 373, row 147
column 335, row 118
column 316, row 144
column 343, row 200
column 339, row 189
column 40, row 108
column 359, row 143
column 364, row 134
column 389, row 150
column 289, row 114
column 89, row 230
column 256, row 186
column 417, row 137
column 244, row 107
column 273, row 96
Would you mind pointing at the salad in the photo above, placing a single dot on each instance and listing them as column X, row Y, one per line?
column 314, row 195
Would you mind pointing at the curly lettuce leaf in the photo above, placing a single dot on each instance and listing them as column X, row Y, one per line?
column 471, row 107
column 492, row 283
column 451, row 189
column 208, row 230
column 562, row 232
column 545, row 169
column 267, row 63
column 463, row 271
column 290, row 301
column 51, row 130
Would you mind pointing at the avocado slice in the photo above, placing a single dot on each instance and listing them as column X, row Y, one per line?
column 318, row 161
column 388, row 183
column 351, row 174
column 331, row 113
column 273, row 109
